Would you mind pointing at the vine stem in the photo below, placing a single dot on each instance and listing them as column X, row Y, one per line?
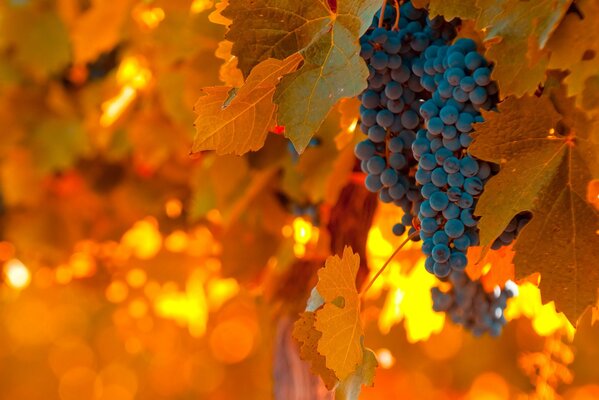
column 396, row 23
column 391, row 257
column 382, row 17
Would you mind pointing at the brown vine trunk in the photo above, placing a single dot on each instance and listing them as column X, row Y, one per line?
column 349, row 222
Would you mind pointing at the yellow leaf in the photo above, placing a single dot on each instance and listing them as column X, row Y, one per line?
column 240, row 125
column 339, row 319
column 228, row 73
column 308, row 337
column 98, row 29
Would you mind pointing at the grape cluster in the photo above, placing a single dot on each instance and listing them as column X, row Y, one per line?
column 468, row 304
column 422, row 99
column 389, row 110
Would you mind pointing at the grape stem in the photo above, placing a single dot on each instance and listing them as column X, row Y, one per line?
column 396, row 23
column 391, row 257
column 382, row 17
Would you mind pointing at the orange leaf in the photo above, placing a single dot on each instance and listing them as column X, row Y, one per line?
column 494, row 269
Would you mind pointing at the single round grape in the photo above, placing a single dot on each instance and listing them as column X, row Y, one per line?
column 422, row 176
column 451, row 165
column 428, row 189
column 427, row 161
column 384, row 196
column 370, row 99
column 397, row 161
column 427, row 246
column 484, row 170
column 397, row 191
column 467, row 218
column 368, row 117
column 460, row 95
column 435, row 125
column 462, row 243
column 453, row 102
column 379, row 60
column 440, row 237
column 465, row 45
column 396, row 106
column 429, row 67
column 482, row 76
column 429, row 225
column 366, row 51
column 473, row 185
column 406, row 219
column 452, row 144
column 414, row 84
column 465, row 140
column 438, row 201
column 410, row 119
column 401, row 74
column 426, row 209
column 468, row 166
column 392, row 45
column 429, row 109
column 373, row 183
column 428, row 83
column 453, row 76
column 389, row 177
column 466, row 200
column 379, row 35
column 454, row 228
column 442, row 154
column 458, row 261
column 364, row 150
column 408, row 137
column 449, row 132
column 394, row 90
column 384, row 118
column 398, row 229
column 454, row 194
column 441, row 270
column 408, row 96
column 449, row 115
column 440, row 252
column 456, row 60
column 394, row 62
column 418, row 67
column 396, row 144
column 445, row 89
column 452, row 211
column 464, row 122
column 473, row 60
column 478, row 95
column 376, row 165
column 455, row 180
column 436, row 144
column 467, row 84
column 419, row 41
column 377, row 134
column 439, row 177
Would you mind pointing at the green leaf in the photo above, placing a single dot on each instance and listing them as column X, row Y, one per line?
column 327, row 41
column 547, row 160
column 237, row 121
column 349, row 388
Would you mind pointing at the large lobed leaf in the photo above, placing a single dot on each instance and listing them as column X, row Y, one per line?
column 328, row 42
column 240, row 124
column 339, row 318
column 547, row 159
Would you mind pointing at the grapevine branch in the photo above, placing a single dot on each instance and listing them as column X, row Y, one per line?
column 396, row 23
column 391, row 257
column 382, row 17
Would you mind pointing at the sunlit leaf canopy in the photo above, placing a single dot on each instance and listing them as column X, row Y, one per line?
column 131, row 269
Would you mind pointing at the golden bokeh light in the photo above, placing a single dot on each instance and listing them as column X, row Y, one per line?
column 17, row 274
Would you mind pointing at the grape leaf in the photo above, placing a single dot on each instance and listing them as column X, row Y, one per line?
column 349, row 388
column 465, row 9
column 243, row 124
column 515, row 29
column 307, row 337
column 339, row 318
column 494, row 268
column 327, row 40
column 546, row 173
column 575, row 46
